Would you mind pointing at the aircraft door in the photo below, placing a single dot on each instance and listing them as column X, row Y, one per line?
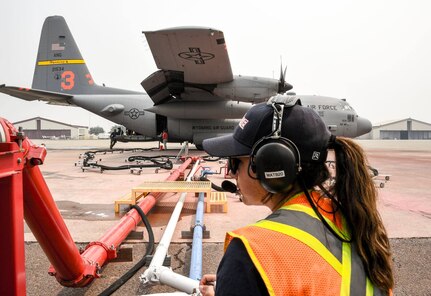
column 161, row 123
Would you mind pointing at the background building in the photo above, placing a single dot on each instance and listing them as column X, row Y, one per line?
column 42, row 128
column 405, row 129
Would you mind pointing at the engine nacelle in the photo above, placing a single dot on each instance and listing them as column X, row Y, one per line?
column 248, row 89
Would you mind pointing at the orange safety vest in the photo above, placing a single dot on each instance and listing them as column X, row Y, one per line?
column 295, row 254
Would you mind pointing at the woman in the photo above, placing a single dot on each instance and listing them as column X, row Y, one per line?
column 322, row 238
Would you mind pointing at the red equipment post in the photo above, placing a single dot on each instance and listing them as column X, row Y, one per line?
column 12, row 266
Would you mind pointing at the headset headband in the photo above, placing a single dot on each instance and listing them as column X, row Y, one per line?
column 277, row 120
column 286, row 100
column 278, row 103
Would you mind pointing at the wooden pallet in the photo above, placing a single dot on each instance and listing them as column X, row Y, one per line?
column 126, row 200
column 217, row 198
column 161, row 186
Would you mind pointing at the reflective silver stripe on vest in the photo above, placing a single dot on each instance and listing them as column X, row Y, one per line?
column 316, row 228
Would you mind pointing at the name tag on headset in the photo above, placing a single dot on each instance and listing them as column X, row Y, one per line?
column 274, row 175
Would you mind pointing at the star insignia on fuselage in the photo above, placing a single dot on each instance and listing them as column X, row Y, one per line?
column 134, row 113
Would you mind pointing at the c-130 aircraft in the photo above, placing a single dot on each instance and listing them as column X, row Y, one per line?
column 193, row 95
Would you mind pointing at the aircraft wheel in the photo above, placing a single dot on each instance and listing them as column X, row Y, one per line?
column 199, row 147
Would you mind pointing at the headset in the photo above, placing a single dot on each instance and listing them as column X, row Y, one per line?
column 276, row 160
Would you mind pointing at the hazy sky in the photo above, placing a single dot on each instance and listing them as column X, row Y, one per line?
column 376, row 54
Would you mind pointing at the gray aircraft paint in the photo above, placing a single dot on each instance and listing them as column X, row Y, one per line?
column 205, row 110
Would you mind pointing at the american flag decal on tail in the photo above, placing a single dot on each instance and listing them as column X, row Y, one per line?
column 58, row 46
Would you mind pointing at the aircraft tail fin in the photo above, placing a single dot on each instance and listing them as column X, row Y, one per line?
column 60, row 66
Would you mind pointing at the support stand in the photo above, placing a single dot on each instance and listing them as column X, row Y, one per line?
column 12, row 264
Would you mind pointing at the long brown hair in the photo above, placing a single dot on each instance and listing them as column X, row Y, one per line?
column 355, row 192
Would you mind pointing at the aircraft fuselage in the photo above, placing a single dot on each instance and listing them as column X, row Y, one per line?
column 194, row 121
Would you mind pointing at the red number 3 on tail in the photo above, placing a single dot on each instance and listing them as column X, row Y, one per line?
column 68, row 80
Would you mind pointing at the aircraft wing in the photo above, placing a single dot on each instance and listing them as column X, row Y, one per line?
column 194, row 57
column 29, row 94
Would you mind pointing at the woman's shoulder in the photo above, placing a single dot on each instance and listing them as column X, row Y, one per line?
column 237, row 274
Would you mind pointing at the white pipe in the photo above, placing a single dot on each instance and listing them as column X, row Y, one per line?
column 178, row 281
column 163, row 246
column 154, row 272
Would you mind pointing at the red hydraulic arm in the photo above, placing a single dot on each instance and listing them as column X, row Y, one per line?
column 20, row 177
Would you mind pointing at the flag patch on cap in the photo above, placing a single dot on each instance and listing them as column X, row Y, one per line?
column 243, row 122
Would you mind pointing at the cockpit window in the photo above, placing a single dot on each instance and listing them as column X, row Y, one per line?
column 345, row 106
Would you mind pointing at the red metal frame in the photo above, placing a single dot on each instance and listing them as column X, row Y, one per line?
column 22, row 186
column 12, row 266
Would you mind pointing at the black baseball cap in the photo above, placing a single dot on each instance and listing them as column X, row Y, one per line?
column 302, row 125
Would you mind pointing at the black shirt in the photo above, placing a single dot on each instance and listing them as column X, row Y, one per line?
column 237, row 275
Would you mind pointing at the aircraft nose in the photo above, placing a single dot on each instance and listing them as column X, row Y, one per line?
column 364, row 126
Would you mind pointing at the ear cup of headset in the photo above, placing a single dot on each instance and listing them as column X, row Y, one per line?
column 275, row 163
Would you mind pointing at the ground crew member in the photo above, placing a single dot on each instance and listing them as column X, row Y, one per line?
column 165, row 138
column 113, row 140
column 322, row 238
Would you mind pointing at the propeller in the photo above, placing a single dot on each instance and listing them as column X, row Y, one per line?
column 283, row 86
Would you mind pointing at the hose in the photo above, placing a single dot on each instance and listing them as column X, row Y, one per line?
column 124, row 278
column 157, row 161
column 163, row 165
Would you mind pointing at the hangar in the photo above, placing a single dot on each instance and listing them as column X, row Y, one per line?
column 405, row 129
column 43, row 128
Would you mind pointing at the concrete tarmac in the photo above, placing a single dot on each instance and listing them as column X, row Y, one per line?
column 86, row 198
